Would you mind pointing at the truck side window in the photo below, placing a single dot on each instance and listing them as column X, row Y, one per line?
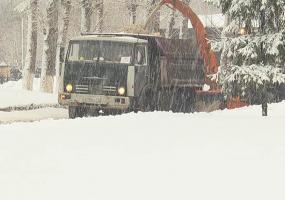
column 74, row 52
column 140, row 55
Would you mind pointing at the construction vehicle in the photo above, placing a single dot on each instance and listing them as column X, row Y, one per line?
column 114, row 73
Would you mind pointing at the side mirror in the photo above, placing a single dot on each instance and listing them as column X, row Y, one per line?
column 140, row 58
column 61, row 54
column 140, row 55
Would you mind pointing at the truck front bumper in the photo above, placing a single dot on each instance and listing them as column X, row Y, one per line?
column 97, row 101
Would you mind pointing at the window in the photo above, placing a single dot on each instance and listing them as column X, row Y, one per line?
column 140, row 55
column 74, row 52
column 116, row 52
column 102, row 51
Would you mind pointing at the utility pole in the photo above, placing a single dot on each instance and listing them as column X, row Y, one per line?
column 23, row 47
column 264, row 104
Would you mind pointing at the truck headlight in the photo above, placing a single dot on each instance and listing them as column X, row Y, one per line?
column 69, row 88
column 121, row 91
column 243, row 31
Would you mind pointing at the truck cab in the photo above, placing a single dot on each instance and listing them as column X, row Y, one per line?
column 99, row 73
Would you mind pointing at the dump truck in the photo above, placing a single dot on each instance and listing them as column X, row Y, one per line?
column 114, row 73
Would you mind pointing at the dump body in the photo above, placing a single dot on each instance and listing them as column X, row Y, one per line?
column 175, row 62
column 180, row 63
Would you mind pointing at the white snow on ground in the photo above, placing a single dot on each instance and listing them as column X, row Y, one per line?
column 225, row 155
column 12, row 94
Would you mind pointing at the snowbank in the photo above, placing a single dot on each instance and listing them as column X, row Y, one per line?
column 13, row 95
column 224, row 155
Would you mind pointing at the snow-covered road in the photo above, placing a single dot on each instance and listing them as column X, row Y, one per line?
column 225, row 155
column 33, row 115
column 37, row 106
column 12, row 95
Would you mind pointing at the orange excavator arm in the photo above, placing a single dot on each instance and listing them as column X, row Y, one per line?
column 210, row 59
column 208, row 55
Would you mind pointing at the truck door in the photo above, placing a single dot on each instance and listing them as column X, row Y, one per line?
column 140, row 68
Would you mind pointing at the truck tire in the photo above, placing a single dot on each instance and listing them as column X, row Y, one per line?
column 72, row 112
column 147, row 101
column 112, row 112
column 183, row 101
column 164, row 100
column 76, row 112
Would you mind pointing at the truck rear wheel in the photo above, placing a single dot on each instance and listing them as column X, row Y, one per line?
column 147, row 101
column 184, row 101
column 113, row 112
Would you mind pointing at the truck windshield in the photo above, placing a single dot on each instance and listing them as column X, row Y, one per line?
column 101, row 51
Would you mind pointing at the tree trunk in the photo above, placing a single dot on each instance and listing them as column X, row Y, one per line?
column 264, row 109
column 31, row 56
column 263, row 57
column 50, row 45
column 62, row 37
column 86, row 12
column 171, row 25
column 99, row 16
column 228, row 20
column 132, row 7
column 184, row 28
column 156, row 21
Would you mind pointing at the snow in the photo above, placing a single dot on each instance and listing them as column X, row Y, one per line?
column 222, row 155
column 3, row 64
column 13, row 95
column 230, row 154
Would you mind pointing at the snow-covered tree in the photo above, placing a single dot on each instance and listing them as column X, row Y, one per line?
column 171, row 24
column 50, row 32
column 99, row 12
column 64, row 18
column 132, row 8
column 155, row 23
column 184, row 28
column 30, row 63
column 253, row 53
column 86, row 12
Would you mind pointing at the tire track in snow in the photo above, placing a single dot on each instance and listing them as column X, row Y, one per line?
column 29, row 107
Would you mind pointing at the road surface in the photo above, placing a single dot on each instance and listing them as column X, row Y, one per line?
column 33, row 115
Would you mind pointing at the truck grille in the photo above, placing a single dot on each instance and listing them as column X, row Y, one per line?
column 98, row 90
column 82, row 89
column 109, row 89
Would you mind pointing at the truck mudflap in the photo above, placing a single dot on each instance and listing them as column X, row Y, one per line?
column 99, row 101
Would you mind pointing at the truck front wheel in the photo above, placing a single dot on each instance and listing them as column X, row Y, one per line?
column 146, row 102
column 76, row 112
